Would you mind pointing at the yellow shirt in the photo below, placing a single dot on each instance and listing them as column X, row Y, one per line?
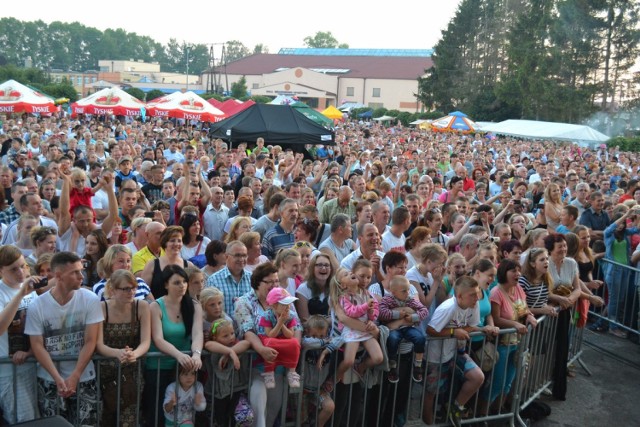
column 141, row 258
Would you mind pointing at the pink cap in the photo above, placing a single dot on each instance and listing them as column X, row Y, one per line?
column 279, row 295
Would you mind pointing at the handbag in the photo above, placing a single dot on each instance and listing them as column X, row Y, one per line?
column 128, row 385
column 563, row 290
column 243, row 414
column 198, row 260
column 486, row 357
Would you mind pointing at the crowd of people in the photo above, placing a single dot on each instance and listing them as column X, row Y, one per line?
column 381, row 253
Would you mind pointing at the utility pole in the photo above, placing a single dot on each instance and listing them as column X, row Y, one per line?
column 187, row 48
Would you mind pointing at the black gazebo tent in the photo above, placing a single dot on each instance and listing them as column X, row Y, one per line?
column 278, row 124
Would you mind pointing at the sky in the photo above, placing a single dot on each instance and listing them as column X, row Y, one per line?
column 407, row 24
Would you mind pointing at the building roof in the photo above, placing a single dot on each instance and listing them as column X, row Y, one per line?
column 354, row 52
column 370, row 67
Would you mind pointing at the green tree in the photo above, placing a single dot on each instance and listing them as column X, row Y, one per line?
column 64, row 89
column 153, row 94
column 260, row 99
column 260, row 48
column 239, row 88
column 235, row 50
column 324, row 39
column 136, row 93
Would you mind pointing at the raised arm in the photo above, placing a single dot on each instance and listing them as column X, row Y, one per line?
column 205, row 191
column 464, row 230
column 107, row 224
column 64, row 216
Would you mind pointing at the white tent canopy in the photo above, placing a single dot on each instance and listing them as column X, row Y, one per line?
column 546, row 130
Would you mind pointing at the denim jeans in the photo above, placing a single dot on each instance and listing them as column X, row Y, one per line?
column 414, row 335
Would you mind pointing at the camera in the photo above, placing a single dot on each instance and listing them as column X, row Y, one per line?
column 494, row 239
column 149, row 214
column 86, row 263
column 41, row 284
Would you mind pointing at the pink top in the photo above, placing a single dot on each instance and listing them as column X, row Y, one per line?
column 511, row 309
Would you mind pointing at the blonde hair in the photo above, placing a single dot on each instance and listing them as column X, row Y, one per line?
column 210, row 293
column 432, row 251
column 335, row 288
column 118, row 278
column 217, row 326
column 78, row 173
column 234, row 228
column 283, row 255
column 465, row 283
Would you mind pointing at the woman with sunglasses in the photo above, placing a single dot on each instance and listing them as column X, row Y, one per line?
column 124, row 337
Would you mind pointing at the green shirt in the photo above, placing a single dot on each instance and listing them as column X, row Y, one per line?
column 172, row 332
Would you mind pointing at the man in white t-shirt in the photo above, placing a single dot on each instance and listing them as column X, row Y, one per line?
column 393, row 239
column 65, row 322
column 83, row 216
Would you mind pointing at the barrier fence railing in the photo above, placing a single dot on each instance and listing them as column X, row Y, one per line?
column 521, row 373
column 621, row 292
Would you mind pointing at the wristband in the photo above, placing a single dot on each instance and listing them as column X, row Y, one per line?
column 451, row 332
column 197, row 352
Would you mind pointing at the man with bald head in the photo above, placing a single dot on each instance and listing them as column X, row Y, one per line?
column 342, row 204
column 151, row 251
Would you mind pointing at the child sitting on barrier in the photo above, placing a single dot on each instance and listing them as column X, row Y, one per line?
column 402, row 313
column 358, row 304
column 316, row 370
column 452, row 321
column 182, row 398
column 277, row 323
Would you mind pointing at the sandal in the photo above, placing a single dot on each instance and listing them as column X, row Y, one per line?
column 269, row 380
column 618, row 333
column 294, row 379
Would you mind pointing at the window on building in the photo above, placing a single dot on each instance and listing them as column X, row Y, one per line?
column 376, row 92
column 350, row 91
column 79, row 80
column 255, row 86
column 94, row 79
column 86, row 80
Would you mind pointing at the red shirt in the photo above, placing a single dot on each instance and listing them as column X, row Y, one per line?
column 468, row 184
column 80, row 198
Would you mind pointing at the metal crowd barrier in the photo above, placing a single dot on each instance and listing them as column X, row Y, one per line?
column 368, row 401
column 621, row 293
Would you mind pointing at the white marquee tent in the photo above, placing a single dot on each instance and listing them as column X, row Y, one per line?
column 546, row 130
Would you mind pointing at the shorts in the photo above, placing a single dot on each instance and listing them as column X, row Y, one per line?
column 439, row 374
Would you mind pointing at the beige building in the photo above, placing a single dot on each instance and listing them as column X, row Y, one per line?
column 322, row 80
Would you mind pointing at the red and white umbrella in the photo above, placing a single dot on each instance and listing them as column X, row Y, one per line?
column 187, row 106
column 111, row 101
column 18, row 98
